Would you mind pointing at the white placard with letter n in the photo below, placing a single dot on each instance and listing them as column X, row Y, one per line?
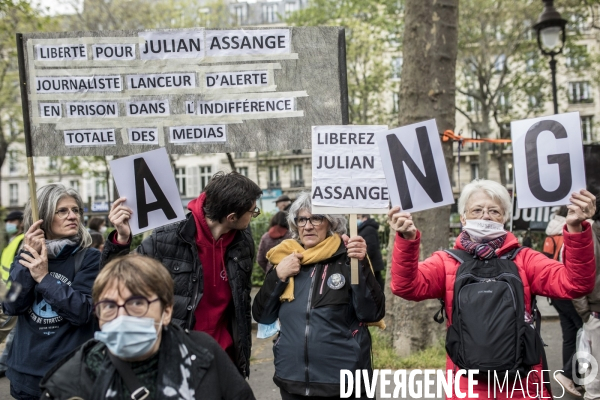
column 414, row 166
column 147, row 181
column 548, row 159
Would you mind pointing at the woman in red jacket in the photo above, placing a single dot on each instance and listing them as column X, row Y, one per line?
column 484, row 208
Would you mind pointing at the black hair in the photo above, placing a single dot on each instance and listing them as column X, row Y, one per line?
column 229, row 193
column 97, row 239
column 280, row 219
column 95, row 223
column 562, row 211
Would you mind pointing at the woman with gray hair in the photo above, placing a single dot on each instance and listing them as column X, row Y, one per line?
column 487, row 285
column 56, row 269
column 322, row 316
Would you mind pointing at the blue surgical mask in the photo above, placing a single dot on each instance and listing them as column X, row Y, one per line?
column 11, row 229
column 266, row 331
column 359, row 223
column 129, row 337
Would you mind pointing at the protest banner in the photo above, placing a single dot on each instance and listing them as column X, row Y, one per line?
column 347, row 175
column 189, row 90
column 414, row 167
column 548, row 160
column 147, row 181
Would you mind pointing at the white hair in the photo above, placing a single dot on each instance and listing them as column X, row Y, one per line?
column 496, row 191
column 337, row 223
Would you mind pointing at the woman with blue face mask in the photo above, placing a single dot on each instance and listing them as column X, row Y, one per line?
column 138, row 350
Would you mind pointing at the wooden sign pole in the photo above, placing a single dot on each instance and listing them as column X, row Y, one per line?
column 353, row 261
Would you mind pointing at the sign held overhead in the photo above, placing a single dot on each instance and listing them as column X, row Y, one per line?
column 414, row 166
column 548, row 159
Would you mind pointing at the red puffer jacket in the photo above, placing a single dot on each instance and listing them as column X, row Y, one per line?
column 434, row 278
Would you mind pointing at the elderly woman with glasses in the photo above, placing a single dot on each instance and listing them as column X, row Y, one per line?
column 490, row 321
column 138, row 353
column 56, row 269
column 322, row 315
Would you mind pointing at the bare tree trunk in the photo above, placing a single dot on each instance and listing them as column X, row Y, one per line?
column 427, row 90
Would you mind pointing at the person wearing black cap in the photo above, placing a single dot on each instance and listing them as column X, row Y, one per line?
column 283, row 203
column 14, row 229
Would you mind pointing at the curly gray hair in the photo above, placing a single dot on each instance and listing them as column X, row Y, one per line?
column 337, row 223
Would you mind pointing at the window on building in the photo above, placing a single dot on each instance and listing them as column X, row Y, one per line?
column 580, row 92
column 509, row 173
column 101, row 192
column 242, row 171
column 528, row 31
column 241, row 13
column 52, row 163
column 269, row 13
column 472, row 104
column 205, row 176
column 297, row 176
column 274, row 177
column 500, row 63
column 530, row 63
column 74, row 184
column 504, row 102
column 395, row 102
column 12, row 161
column 587, row 128
column 576, row 56
column 474, row 171
column 290, row 8
column 180, row 180
column 13, row 194
column 577, row 23
column 397, row 67
column 535, row 100
column 474, row 145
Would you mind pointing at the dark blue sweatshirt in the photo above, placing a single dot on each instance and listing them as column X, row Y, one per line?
column 55, row 315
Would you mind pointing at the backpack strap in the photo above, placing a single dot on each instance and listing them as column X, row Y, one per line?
column 79, row 258
column 511, row 255
column 460, row 256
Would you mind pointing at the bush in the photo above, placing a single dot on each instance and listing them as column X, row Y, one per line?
column 385, row 357
column 259, row 226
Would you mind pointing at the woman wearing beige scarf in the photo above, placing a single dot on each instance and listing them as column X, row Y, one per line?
column 323, row 317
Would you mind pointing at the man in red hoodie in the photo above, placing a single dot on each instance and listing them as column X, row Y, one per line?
column 210, row 256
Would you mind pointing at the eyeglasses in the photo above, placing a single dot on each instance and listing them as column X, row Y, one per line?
column 478, row 212
column 315, row 220
column 64, row 212
column 136, row 306
column 255, row 212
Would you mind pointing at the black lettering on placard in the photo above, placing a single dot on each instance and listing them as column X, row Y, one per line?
column 428, row 181
column 143, row 173
column 533, row 169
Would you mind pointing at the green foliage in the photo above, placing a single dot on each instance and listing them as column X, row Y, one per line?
column 259, row 226
column 373, row 30
column 385, row 357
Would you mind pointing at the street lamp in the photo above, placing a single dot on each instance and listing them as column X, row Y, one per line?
column 550, row 29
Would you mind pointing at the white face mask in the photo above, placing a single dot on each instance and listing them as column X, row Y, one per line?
column 483, row 231
column 103, row 229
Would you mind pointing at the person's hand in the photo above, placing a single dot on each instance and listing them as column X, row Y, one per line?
column 582, row 207
column 356, row 247
column 289, row 266
column 36, row 263
column 119, row 216
column 402, row 223
column 35, row 237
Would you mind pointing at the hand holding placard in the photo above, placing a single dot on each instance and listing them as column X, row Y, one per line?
column 582, row 207
column 402, row 223
column 119, row 216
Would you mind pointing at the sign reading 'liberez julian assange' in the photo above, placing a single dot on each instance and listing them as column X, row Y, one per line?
column 190, row 90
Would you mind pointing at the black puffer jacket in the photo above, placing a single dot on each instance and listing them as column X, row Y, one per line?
column 175, row 247
column 369, row 231
column 323, row 329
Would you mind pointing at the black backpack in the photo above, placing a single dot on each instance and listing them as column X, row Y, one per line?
column 489, row 331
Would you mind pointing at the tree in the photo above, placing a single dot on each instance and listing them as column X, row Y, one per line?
column 427, row 90
column 373, row 30
column 15, row 16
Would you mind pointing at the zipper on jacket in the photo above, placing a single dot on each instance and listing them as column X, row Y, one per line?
column 323, row 279
column 307, row 329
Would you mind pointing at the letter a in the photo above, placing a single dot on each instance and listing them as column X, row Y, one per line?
column 429, row 181
column 143, row 173
column 533, row 169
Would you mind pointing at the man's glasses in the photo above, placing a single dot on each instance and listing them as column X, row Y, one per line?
column 136, row 306
column 255, row 212
column 64, row 212
column 315, row 220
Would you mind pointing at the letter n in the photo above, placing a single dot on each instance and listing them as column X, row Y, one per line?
column 533, row 169
column 143, row 173
column 429, row 181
